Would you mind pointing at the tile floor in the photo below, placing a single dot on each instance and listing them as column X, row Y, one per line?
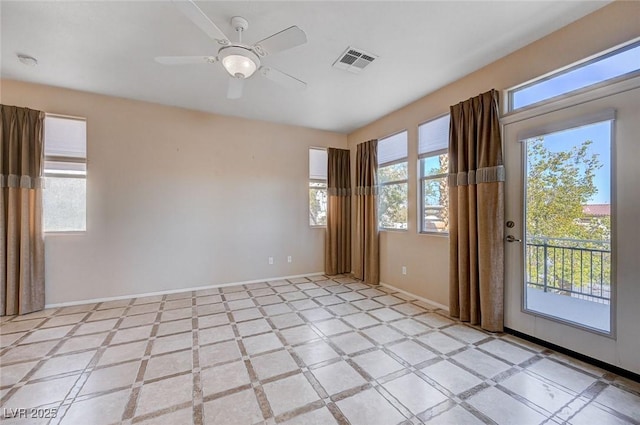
column 304, row 351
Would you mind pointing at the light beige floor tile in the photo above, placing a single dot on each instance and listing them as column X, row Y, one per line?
column 351, row 343
column 104, row 314
column 414, row 393
column 410, row 327
column 178, row 326
column 539, row 392
column 383, row 334
column 131, row 334
column 253, row 327
column 434, row 320
column 47, row 334
column 273, row 364
column 219, row 353
column 507, row 351
column 9, row 339
column 27, row 352
column 69, row 319
column 285, row 321
column 165, row 393
column 212, row 320
column 369, row 408
column 78, row 343
column 620, row 400
column 377, row 364
column 261, row 343
column 143, row 308
column 386, row 314
column 236, row 409
column 64, row 364
column 289, row 394
column 299, row 334
column 455, row 416
column 181, row 303
column 338, row 377
column 246, row 314
column 563, row 375
column 187, row 312
column 165, row 344
column 12, row 374
column 411, row 352
column 225, row 377
column 169, row 364
column 360, row 320
column 503, row 409
column 101, row 410
column 179, row 417
column 465, row 333
column 441, row 342
column 124, row 352
column 41, row 393
column 481, row 363
column 332, row 327
column 320, row 416
column 104, row 379
column 592, row 415
column 315, row 352
column 216, row 334
column 450, row 376
column 138, row 320
column 95, row 327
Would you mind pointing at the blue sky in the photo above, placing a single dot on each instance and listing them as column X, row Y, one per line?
column 603, row 69
column 600, row 135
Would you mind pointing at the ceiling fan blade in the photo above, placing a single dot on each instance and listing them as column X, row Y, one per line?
column 185, row 60
column 235, row 88
column 283, row 40
column 283, row 79
column 202, row 21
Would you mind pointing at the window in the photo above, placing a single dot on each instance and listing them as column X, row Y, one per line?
column 392, row 180
column 433, row 141
column 317, row 187
column 65, row 171
column 617, row 63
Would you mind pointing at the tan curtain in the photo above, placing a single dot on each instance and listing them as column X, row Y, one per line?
column 21, row 239
column 337, row 256
column 366, row 265
column 476, row 196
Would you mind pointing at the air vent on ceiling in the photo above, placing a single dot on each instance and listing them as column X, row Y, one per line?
column 354, row 60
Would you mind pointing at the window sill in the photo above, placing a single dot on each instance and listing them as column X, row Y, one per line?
column 385, row 229
column 438, row 234
column 64, row 233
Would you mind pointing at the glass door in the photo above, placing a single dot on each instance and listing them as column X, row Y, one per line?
column 567, row 222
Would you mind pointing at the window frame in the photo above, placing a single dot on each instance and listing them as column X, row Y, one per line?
column 67, row 159
column 422, row 178
column 394, row 182
column 311, row 181
column 508, row 94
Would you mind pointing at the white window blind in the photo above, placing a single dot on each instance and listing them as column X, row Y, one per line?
column 392, row 148
column 433, row 135
column 65, row 137
column 317, row 164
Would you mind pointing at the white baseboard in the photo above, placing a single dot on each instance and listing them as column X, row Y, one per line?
column 175, row 291
column 426, row 300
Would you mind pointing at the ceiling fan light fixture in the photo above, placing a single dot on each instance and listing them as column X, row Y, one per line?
column 239, row 62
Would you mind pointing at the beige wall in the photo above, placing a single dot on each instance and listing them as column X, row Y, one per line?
column 425, row 256
column 179, row 199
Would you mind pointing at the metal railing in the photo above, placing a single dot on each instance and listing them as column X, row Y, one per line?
column 572, row 267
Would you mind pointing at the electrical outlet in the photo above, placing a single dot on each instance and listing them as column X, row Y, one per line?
column 271, row 260
column 404, row 269
column 289, row 260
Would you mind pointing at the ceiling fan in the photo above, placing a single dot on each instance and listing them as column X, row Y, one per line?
column 239, row 60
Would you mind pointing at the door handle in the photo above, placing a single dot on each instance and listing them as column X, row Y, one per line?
column 510, row 238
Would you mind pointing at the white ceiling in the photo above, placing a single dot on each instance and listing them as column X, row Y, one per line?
column 108, row 47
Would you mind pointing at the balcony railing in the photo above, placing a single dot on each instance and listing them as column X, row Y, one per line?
column 572, row 267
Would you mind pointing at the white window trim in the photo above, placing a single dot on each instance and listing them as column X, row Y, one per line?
column 507, row 94
column 421, row 180
column 395, row 182
column 77, row 160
